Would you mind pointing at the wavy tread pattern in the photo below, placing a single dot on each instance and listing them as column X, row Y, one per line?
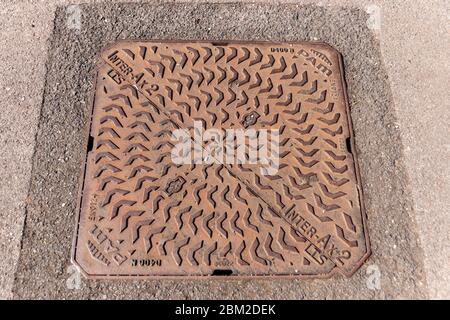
column 151, row 216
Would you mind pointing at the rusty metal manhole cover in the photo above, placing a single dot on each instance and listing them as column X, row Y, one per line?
column 142, row 213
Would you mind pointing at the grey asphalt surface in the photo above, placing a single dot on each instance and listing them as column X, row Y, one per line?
column 397, row 93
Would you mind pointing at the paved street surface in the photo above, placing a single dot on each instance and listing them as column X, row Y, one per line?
column 397, row 72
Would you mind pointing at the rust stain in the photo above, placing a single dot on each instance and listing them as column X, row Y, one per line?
column 142, row 215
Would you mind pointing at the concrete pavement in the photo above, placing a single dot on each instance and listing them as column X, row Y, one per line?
column 413, row 59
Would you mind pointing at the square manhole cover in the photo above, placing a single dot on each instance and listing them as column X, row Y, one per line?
column 220, row 159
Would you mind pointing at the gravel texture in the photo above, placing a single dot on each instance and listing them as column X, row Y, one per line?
column 62, row 132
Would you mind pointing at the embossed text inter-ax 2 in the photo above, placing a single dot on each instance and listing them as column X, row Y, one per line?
column 143, row 215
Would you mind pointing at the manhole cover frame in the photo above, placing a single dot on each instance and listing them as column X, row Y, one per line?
column 339, row 60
